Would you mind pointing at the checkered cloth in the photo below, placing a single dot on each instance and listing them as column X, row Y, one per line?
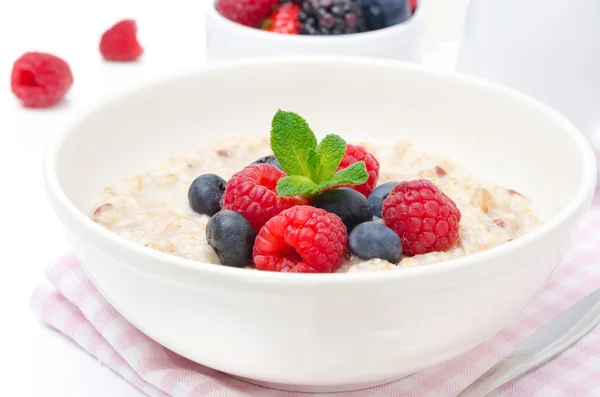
column 74, row 306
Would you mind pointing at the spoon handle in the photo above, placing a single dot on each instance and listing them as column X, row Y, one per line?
column 552, row 339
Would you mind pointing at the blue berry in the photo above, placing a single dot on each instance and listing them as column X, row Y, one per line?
column 346, row 203
column 268, row 160
column 232, row 237
column 205, row 194
column 373, row 240
column 384, row 13
column 378, row 195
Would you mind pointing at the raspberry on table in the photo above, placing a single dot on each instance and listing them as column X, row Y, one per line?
column 120, row 43
column 302, row 239
column 358, row 153
column 251, row 192
column 250, row 13
column 424, row 218
column 40, row 80
column 285, row 19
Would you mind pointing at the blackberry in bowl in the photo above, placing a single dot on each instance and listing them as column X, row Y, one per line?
column 331, row 17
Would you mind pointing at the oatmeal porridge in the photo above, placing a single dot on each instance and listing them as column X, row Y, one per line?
column 152, row 208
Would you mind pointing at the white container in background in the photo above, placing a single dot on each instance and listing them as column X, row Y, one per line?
column 227, row 40
column 549, row 49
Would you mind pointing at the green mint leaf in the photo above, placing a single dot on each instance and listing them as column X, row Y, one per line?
column 331, row 149
column 296, row 185
column 353, row 175
column 291, row 139
column 314, row 164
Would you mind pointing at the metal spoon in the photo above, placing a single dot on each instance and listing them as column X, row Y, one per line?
column 546, row 343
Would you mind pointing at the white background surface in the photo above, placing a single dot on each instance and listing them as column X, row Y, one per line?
column 37, row 360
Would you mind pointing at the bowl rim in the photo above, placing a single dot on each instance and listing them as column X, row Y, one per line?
column 58, row 198
column 356, row 38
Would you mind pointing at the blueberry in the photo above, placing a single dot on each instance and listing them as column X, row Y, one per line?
column 373, row 240
column 384, row 13
column 268, row 160
column 205, row 194
column 232, row 237
column 346, row 203
column 378, row 195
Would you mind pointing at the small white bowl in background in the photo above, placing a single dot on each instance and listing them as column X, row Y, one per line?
column 228, row 40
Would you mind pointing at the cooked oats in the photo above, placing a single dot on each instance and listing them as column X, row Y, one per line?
column 152, row 209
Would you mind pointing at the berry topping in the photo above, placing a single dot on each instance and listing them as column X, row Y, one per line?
column 351, row 206
column 284, row 20
column 384, row 13
column 331, row 17
column 268, row 160
column 302, row 239
column 120, row 43
column 205, row 194
column 373, row 240
column 232, row 237
column 378, row 195
column 358, row 153
column 251, row 13
column 424, row 218
column 251, row 192
column 40, row 80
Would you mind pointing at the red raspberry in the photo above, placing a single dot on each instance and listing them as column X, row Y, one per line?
column 302, row 239
column 424, row 218
column 246, row 12
column 285, row 19
column 40, row 80
column 413, row 5
column 251, row 192
column 120, row 43
column 358, row 153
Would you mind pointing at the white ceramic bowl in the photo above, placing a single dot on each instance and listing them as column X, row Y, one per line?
column 227, row 40
column 323, row 331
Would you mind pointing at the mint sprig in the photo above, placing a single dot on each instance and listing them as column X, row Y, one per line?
column 311, row 168
column 291, row 139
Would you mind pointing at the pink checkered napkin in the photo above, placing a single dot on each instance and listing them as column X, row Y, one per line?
column 75, row 307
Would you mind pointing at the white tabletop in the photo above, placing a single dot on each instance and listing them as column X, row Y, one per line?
column 39, row 361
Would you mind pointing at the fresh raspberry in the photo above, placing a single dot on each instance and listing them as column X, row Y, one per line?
column 246, row 12
column 424, row 218
column 120, row 43
column 302, row 239
column 357, row 153
column 413, row 5
column 251, row 192
column 40, row 80
column 285, row 19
